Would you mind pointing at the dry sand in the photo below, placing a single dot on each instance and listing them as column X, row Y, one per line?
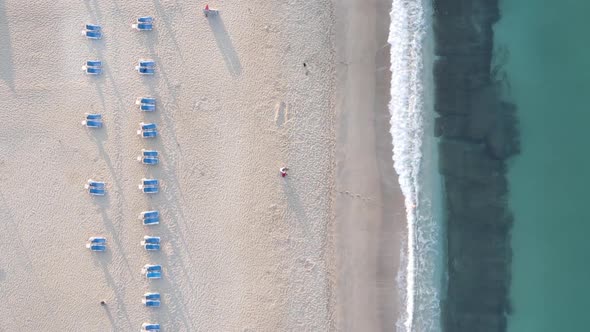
column 243, row 248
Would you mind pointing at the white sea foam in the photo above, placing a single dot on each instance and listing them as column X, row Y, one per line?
column 415, row 161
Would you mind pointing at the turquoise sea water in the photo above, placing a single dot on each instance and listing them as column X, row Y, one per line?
column 549, row 74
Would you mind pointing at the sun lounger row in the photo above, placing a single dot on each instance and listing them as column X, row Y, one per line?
column 151, row 300
column 150, row 217
column 92, row 31
column 152, row 271
column 146, row 67
column 149, row 186
column 151, row 327
column 146, row 104
column 92, row 67
column 149, row 157
column 92, row 121
column 148, row 130
column 145, row 23
column 95, row 188
column 151, row 243
column 97, row 243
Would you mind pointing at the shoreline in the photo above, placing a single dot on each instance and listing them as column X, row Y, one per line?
column 369, row 208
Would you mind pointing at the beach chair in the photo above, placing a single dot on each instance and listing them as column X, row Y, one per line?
column 93, row 116
column 145, row 70
column 151, row 303
column 150, row 190
column 149, row 214
column 92, row 27
column 151, row 221
column 148, row 134
column 154, row 275
column 151, row 327
column 97, row 240
column 145, row 19
column 147, row 126
column 96, row 191
column 147, row 107
column 93, row 63
column 151, row 240
column 143, row 26
column 92, row 70
column 149, row 182
column 145, row 100
column 149, row 153
column 151, row 247
column 148, row 160
column 92, row 123
column 151, row 268
column 151, row 296
column 94, row 184
column 90, row 34
column 147, row 63
column 96, row 247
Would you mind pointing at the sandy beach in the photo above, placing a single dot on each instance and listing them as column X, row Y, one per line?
column 263, row 85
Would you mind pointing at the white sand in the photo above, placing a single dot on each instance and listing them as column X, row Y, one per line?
column 244, row 250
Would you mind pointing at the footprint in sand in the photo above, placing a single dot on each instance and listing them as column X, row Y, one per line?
column 281, row 114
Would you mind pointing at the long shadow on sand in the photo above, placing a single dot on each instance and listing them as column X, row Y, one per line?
column 232, row 61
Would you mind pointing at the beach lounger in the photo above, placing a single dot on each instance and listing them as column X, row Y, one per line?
column 143, row 26
column 151, row 327
column 96, row 191
column 146, row 100
column 151, row 303
column 95, row 184
column 147, row 107
column 92, row 27
column 150, row 190
column 92, row 70
column 90, row 34
column 151, row 268
column 148, row 160
column 151, row 221
column 96, row 247
column 149, row 153
column 147, row 126
column 151, row 296
column 151, row 247
column 97, row 240
column 151, row 239
column 149, row 214
column 154, row 275
column 145, row 70
column 147, row 134
column 147, row 63
column 149, row 182
column 145, row 19
column 93, row 63
column 93, row 116
column 92, row 123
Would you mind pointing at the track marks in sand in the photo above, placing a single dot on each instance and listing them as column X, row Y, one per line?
column 281, row 114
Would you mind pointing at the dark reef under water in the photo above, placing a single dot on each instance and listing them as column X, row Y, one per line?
column 478, row 133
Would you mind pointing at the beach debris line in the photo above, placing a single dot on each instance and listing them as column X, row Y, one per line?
column 92, row 31
column 144, row 23
column 95, row 188
column 92, row 67
column 210, row 11
column 92, row 120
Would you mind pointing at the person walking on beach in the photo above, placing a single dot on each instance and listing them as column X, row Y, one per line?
column 283, row 171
